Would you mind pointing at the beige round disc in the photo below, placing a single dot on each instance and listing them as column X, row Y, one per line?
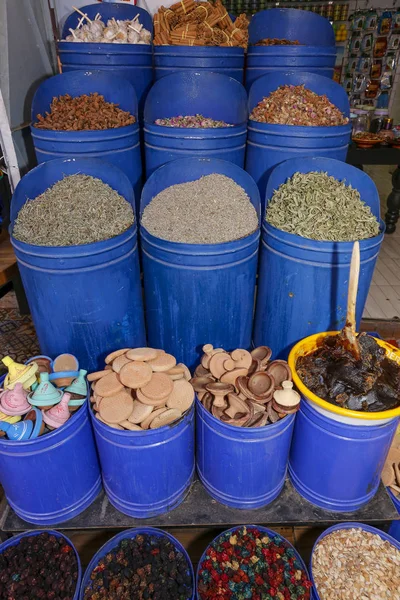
column 140, row 412
column 130, row 426
column 165, row 418
column 186, row 371
column 120, row 362
column 113, row 425
column 150, row 401
column 182, row 395
column 160, row 386
column 216, row 364
column 108, row 385
column 142, row 354
column 147, row 422
column 117, row 408
column 163, row 362
column 96, row 375
column 135, row 374
column 176, row 372
column 114, row 355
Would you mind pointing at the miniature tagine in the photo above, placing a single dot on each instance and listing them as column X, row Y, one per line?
column 17, row 373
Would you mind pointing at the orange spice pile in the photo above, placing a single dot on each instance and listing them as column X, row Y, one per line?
column 190, row 23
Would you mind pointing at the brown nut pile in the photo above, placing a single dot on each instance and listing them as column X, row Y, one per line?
column 82, row 113
column 277, row 42
column 190, row 23
column 296, row 105
column 245, row 388
column 141, row 388
column 391, row 470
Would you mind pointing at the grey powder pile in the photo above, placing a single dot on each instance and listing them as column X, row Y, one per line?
column 78, row 209
column 211, row 210
column 319, row 207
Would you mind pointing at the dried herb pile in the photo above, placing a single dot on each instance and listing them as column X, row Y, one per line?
column 82, row 113
column 277, row 42
column 191, row 121
column 210, row 210
column 146, row 567
column 78, row 209
column 191, row 23
column 317, row 206
column 296, row 105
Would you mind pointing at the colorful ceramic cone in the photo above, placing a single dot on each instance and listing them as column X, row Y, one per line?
column 59, row 414
column 36, row 417
column 46, row 394
column 17, row 431
column 78, row 390
column 9, row 419
column 18, row 373
column 14, row 402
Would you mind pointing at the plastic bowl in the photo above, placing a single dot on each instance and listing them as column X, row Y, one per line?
column 343, row 415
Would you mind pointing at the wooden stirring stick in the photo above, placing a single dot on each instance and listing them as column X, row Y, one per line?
column 348, row 333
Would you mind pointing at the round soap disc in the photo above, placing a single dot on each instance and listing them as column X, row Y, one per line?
column 113, row 355
column 108, row 385
column 135, row 374
column 147, row 422
column 182, row 396
column 117, row 408
column 163, row 362
column 165, row 418
column 96, row 375
column 130, row 426
column 119, row 362
column 186, row 371
column 140, row 412
column 160, row 386
column 150, row 401
column 113, row 425
column 142, row 354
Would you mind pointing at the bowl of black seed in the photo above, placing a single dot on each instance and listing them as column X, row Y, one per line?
column 39, row 565
column 140, row 564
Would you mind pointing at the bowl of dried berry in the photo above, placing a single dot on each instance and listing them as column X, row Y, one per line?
column 365, row 139
column 39, row 564
column 140, row 564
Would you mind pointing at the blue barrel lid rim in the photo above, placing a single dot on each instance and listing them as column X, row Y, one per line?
column 108, row 10
column 286, row 23
column 131, row 533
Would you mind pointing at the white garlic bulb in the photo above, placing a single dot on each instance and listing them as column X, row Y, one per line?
column 115, row 31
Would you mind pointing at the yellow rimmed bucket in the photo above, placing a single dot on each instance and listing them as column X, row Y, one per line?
column 343, row 415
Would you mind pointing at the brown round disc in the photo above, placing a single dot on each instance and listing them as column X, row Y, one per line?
column 96, row 375
column 160, row 386
column 163, row 362
column 147, row 422
column 109, row 385
column 120, row 362
column 165, row 418
column 182, row 395
column 135, row 374
column 113, row 355
column 280, row 371
column 261, row 383
column 130, row 426
column 117, row 408
column 140, row 412
column 113, row 425
column 142, row 354
column 150, row 401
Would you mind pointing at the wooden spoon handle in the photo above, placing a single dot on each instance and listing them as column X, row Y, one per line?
column 353, row 286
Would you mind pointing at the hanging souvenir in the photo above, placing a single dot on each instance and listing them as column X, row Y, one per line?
column 380, row 47
column 385, row 23
column 366, row 44
column 371, row 20
column 376, row 69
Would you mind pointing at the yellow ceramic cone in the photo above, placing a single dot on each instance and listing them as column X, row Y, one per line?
column 24, row 374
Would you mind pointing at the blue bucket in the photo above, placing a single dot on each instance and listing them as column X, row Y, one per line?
column 128, row 534
column 15, row 540
column 133, row 62
column 269, row 144
column 40, row 477
column 119, row 146
column 84, row 299
column 195, row 292
column 218, row 59
column 147, row 473
column 334, row 465
column 251, row 467
column 189, row 93
column 315, row 54
column 302, row 284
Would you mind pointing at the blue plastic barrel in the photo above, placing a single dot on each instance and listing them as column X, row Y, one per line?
column 128, row 534
column 189, row 93
column 119, row 146
column 15, row 540
column 198, row 293
column 225, row 60
column 251, row 466
column 131, row 61
column 334, row 465
column 269, row 144
column 302, row 283
column 315, row 54
column 84, row 299
column 155, row 467
column 40, row 477
column 394, row 529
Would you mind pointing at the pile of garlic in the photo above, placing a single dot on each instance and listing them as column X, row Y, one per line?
column 115, row 32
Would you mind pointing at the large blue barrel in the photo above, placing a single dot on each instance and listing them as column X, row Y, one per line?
column 40, row 477
column 225, row 60
column 315, row 54
column 131, row 61
column 128, row 534
column 147, row 473
column 334, row 465
column 269, row 144
column 83, row 299
column 189, row 93
column 119, row 146
column 229, row 478
column 198, row 293
column 15, row 540
column 302, row 283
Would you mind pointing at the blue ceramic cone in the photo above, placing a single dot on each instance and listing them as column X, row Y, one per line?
column 46, row 394
column 17, row 431
column 78, row 387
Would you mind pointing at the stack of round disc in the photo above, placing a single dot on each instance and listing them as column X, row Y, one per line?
column 141, row 388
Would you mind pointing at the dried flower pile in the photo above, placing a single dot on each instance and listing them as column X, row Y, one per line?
column 277, row 42
column 351, row 564
column 244, row 388
column 317, row 206
column 210, row 210
column 190, row 23
column 296, row 105
column 191, row 121
column 141, row 568
column 248, row 564
column 115, row 32
column 78, row 209
column 86, row 112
